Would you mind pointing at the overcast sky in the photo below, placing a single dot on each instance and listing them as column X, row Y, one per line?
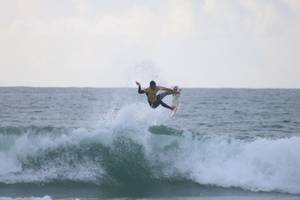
column 111, row 43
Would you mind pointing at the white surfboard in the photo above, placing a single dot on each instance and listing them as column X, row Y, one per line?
column 176, row 100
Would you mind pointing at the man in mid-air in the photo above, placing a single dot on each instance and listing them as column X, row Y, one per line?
column 155, row 100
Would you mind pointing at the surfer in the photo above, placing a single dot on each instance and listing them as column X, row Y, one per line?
column 153, row 99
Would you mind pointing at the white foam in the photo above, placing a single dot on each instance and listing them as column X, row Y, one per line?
column 128, row 121
column 261, row 165
column 11, row 170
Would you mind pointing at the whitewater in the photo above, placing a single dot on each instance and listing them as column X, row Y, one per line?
column 109, row 143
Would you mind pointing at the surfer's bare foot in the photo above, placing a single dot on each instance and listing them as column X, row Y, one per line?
column 173, row 107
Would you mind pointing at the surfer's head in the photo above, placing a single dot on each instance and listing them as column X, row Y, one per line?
column 152, row 84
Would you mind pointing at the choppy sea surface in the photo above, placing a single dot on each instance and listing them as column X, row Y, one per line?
column 101, row 143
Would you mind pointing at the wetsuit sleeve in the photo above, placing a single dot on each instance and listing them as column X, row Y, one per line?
column 166, row 89
column 140, row 91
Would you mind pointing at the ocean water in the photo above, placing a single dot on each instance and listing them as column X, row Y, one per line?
column 92, row 143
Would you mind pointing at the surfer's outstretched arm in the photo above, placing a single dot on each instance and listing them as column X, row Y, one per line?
column 169, row 90
column 140, row 91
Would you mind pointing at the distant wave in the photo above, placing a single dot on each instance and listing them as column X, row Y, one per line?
column 133, row 149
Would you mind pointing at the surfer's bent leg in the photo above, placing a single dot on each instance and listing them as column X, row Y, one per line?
column 165, row 105
column 163, row 95
column 155, row 104
column 160, row 102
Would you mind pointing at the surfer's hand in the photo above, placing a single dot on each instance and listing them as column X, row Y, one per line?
column 176, row 90
column 137, row 83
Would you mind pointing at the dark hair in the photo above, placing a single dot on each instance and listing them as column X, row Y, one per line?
column 152, row 83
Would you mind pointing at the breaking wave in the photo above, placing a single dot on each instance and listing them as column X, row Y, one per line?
column 135, row 149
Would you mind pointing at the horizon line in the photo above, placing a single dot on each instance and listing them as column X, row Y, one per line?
column 126, row 87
